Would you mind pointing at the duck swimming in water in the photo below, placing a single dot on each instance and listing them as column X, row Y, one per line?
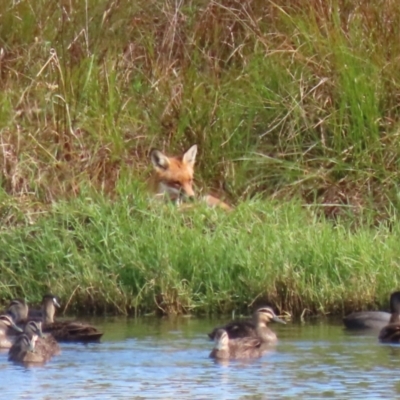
column 8, row 331
column 23, row 351
column 66, row 331
column 372, row 319
column 241, row 348
column 62, row 331
column 45, row 345
column 256, row 328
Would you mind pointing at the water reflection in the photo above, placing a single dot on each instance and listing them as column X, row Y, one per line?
column 168, row 358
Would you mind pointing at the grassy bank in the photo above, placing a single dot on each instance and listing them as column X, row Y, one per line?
column 129, row 257
column 294, row 101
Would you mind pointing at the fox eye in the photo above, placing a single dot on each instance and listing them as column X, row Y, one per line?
column 175, row 183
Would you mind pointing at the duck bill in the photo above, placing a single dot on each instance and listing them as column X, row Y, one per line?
column 32, row 343
column 56, row 303
column 280, row 321
column 16, row 327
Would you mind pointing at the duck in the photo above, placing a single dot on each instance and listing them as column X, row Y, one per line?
column 61, row 331
column 391, row 332
column 18, row 309
column 241, row 348
column 8, row 331
column 45, row 345
column 376, row 320
column 255, row 328
column 23, row 350
column 66, row 331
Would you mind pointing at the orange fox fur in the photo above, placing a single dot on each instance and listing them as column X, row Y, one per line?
column 173, row 178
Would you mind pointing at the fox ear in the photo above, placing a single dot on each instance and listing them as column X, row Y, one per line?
column 159, row 160
column 190, row 156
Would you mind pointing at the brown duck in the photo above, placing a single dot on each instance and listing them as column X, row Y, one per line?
column 45, row 345
column 255, row 328
column 373, row 319
column 18, row 309
column 66, row 331
column 391, row 332
column 23, row 350
column 8, row 331
column 21, row 313
column 241, row 348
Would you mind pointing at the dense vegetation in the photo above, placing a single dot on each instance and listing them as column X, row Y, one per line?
column 129, row 256
column 294, row 101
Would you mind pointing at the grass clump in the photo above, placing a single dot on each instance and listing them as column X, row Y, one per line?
column 129, row 257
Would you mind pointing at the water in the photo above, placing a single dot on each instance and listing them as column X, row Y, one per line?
column 168, row 358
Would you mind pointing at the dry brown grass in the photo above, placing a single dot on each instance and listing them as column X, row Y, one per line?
column 285, row 99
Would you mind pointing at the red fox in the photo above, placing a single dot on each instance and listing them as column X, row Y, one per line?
column 173, row 178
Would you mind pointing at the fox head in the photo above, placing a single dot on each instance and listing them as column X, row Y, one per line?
column 174, row 175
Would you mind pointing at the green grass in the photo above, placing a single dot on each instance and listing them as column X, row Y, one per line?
column 131, row 257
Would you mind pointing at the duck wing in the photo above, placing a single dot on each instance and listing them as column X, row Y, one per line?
column 390, row 333
column 48, row 346
column 247, row 347
column 237, row 329
column 366, row 320
column 66, row 331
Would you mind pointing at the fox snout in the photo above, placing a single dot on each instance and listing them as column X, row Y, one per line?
column 187, row 191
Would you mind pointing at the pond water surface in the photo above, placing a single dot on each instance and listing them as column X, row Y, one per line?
column 168, row 358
